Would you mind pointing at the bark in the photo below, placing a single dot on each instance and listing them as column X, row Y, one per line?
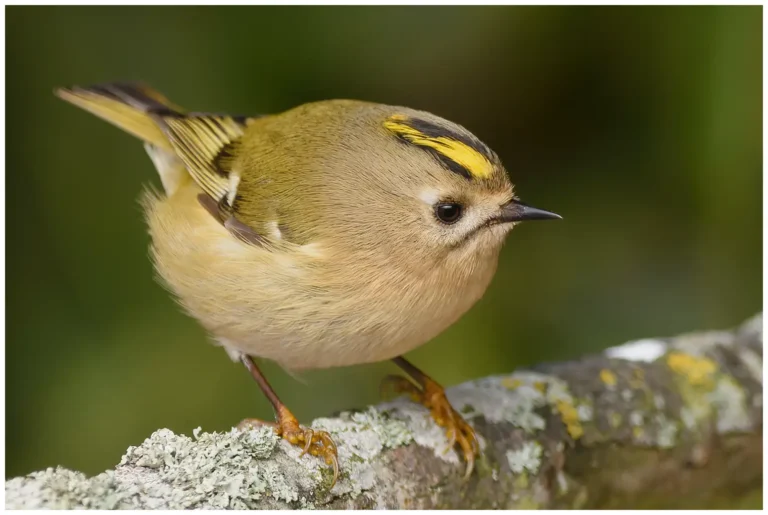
column 657, row 423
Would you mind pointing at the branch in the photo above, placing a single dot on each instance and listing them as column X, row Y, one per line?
column 668, row 422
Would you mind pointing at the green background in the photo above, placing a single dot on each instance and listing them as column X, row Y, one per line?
column 641, row 126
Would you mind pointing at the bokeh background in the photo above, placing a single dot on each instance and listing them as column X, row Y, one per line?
column 640, row 125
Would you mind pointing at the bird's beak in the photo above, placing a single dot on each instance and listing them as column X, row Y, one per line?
column 516, row 211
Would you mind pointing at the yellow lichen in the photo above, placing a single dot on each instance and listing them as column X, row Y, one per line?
column 511, row 383
column 608, row 377
column 570, row 416
column 697, row 371
column 638, row 378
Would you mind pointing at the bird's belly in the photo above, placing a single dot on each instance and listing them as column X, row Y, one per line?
column 314, row 332
column 287, row 307
column 300, row 330
column 309, row 351
column 324, row 334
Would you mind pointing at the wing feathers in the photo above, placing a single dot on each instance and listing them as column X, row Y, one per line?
column 198, row 143
column 197, row 139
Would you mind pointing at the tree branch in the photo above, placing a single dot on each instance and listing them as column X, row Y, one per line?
column 667, row 422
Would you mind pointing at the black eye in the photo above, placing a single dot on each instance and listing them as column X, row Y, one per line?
column 448, row 212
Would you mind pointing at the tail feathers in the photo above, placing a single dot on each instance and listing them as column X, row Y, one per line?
column 198, row 143
column 132, row 107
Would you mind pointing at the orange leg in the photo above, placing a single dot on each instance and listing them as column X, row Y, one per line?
column 316, row 443
column 432, row 395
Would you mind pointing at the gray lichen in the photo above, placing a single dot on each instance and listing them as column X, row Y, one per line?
column 420, row 428
column 365, row 435
column 518, row 398
column 169, row 471
column 527, row 458
column 666, row 431
column 647, row 397
column 59, row 488
column 729, row 400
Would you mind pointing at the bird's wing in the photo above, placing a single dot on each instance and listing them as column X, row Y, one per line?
column 199, row 140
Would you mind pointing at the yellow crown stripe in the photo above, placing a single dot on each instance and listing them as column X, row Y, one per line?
column 465, row 156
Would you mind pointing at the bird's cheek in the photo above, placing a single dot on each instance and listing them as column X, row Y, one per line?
column 499, row 232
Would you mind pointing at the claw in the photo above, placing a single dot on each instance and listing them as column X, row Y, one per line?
column 308, row 434
column 332, row 460
column 475, row 444
column 451, row 434
column 398, row 384
column 470, row 465
column 432, row 396
column 316, row 443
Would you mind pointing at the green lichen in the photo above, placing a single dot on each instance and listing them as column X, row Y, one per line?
column 59, row 488
column 729, row 401
column 527, row 458
column 701, row 344
column 637, row 381
column 415, row 424
column 232, row 470
column 585, row 411
column 666, row 431
column 512, row 399
column 688, row 417
column 362, row 436
column 651, row 428
column 532, row 391
column 581, row 499
column 527, row 502
column 256, row 469
column 169, row 471
column 356, row 459
column 522, row 482
column 636, row 418
column 707, row 391
column 753, row 362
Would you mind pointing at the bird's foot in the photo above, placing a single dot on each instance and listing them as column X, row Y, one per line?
column 432, row 396
column 314, row 442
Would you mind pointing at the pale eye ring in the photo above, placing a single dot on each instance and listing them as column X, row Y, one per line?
column 449, row 212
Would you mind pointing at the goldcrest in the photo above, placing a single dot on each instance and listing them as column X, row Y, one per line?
column 336, row 233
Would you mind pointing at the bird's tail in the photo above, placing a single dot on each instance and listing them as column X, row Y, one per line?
column 133, row 107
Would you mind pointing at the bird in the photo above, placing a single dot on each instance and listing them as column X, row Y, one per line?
column 336, row 233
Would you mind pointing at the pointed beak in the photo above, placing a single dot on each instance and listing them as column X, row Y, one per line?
column 516, row 211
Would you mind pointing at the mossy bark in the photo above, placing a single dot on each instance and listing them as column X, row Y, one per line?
column 660, row 423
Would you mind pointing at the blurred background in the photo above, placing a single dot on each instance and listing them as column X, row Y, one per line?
column 640, row 125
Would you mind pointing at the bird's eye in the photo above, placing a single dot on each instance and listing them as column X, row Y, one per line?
column 448, row 212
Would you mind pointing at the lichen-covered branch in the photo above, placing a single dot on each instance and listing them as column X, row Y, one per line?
column 666, row 422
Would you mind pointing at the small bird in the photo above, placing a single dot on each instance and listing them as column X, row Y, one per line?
column 336, row 233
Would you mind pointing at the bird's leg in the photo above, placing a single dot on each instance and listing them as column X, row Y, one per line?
column 316, row 443
column 432, row 395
